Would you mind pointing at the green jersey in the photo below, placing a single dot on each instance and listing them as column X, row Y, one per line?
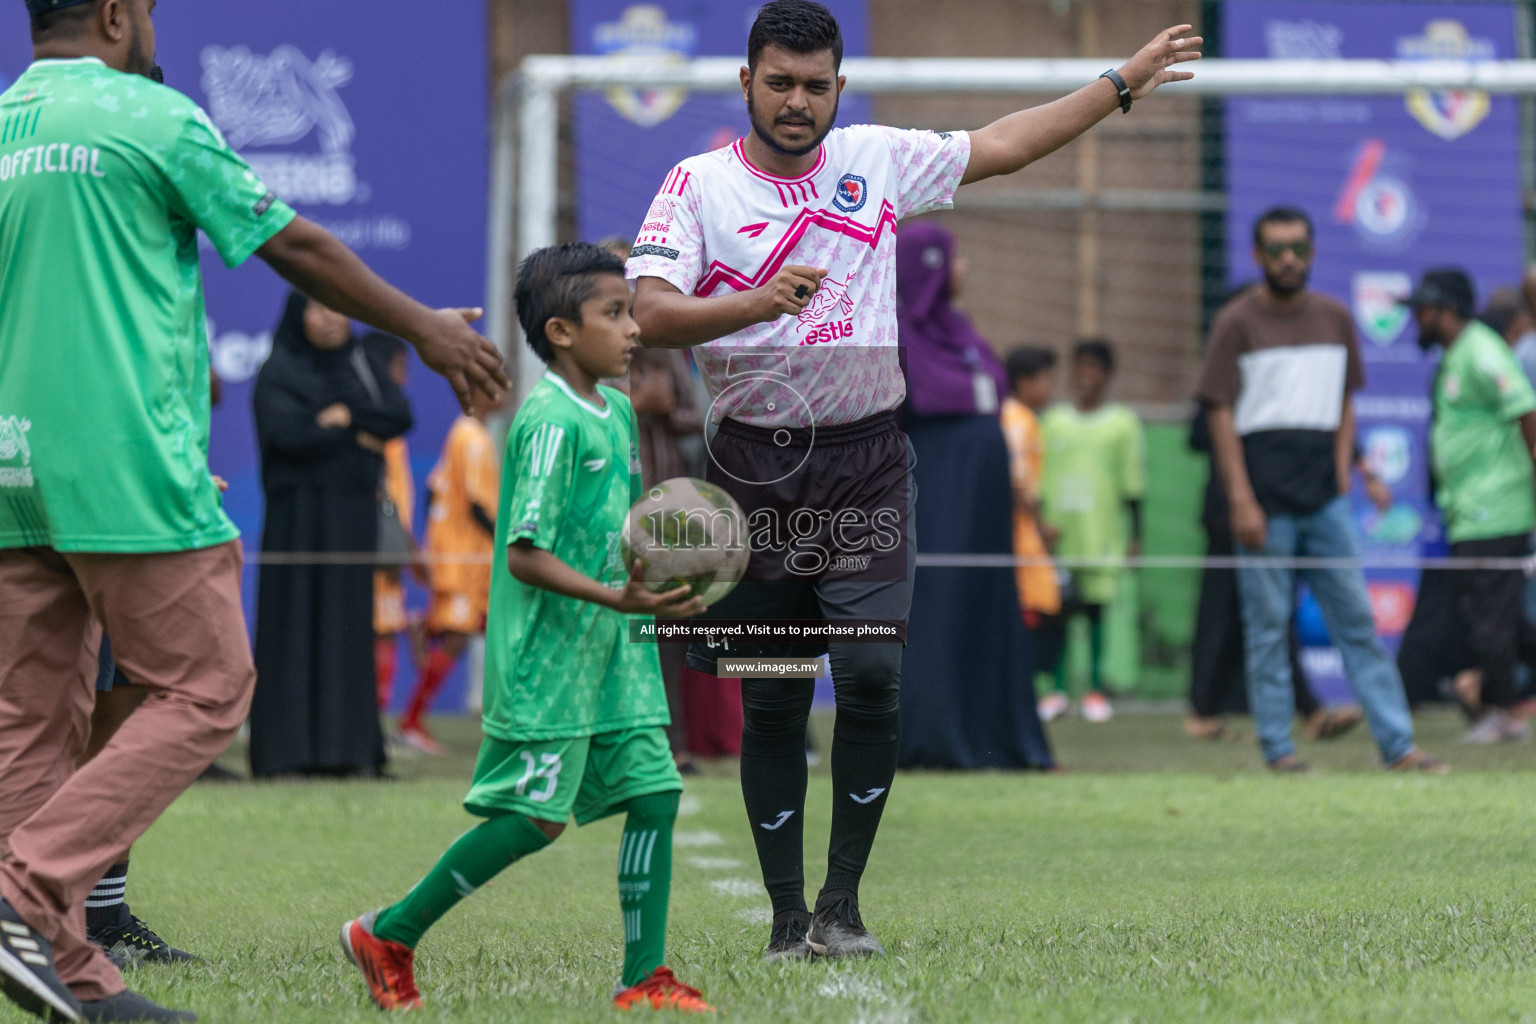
column 1094, row 463
column 1482, row 466
column 105, row 179
column 557, row 667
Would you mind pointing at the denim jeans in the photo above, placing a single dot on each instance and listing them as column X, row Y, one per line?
column 1268, row 596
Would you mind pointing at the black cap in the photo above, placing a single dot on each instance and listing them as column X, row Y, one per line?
column 44, row 6
column 1447, row 288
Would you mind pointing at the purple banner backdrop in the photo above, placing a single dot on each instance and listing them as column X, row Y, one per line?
column 628, row 139
column 335, row 113
column 1395, row 185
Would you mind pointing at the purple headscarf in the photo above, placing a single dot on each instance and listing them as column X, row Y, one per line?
column 944, row 352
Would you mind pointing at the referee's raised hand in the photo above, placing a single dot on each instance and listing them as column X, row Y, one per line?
column 1153, row 63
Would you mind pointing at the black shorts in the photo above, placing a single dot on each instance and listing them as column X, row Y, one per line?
column 830, row 512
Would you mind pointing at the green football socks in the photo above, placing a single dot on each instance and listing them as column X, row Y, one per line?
column 474, row 859
column 645, row 882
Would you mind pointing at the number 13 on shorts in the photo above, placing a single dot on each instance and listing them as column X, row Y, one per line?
column 545, row 767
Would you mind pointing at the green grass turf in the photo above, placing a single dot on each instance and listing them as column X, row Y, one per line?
column 1160, row 881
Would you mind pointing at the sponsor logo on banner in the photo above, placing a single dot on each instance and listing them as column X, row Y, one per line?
column 1391, row 607
column 262, row 103
column 1377, row 310
column 1452, row 113
column 1388, row 453
column 1378, row 201
column 852, row 193
column 236, row 356
column 13, row 445
column 1303, row 40
column 1398, row 526
column 643, row 31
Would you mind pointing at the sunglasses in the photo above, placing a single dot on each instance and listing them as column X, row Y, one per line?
column 1275, row 250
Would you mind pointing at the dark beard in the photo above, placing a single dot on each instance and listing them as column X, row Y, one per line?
column 140, row 63
column 764, row 131
column 1283, row 289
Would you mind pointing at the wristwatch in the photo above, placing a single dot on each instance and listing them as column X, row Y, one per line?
column 1124, row 90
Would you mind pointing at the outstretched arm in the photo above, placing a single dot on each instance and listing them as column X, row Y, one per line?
column 1018, row 140
column 317, row 263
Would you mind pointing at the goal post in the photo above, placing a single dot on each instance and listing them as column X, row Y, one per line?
column 524, row 199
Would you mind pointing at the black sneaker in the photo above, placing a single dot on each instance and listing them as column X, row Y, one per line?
column 128, row 1005
column 129, row 941
column 787, row 941
column 27, row 976
column 837, row 930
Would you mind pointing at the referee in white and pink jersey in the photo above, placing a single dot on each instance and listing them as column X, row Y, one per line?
column 776, row 257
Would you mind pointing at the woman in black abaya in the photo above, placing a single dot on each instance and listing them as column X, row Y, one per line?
column 967, row 693
column 323, row 413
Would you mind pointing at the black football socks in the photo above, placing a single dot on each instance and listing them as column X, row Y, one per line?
column 773, row 781
column 103, row 907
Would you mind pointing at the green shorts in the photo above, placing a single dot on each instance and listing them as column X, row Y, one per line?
column 589, row 777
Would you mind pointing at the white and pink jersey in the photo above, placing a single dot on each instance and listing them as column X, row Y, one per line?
column 721, row 225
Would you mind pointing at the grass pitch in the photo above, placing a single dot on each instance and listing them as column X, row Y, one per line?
column 1161, row 881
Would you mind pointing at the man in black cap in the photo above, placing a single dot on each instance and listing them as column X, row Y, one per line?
column 1482, row 446
column 105, row 180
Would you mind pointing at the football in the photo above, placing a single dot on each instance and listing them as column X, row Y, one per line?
column 688, row 532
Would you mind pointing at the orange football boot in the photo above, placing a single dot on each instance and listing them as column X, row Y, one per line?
column 662, row 991
column 387, row 966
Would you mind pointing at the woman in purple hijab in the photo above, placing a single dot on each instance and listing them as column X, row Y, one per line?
column 951, row 370
column 967, row 700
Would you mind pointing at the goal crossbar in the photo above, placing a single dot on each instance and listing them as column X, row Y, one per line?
column 524, row 200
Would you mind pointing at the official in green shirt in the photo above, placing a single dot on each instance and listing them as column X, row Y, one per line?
column 108, row 514
column 1481, row 450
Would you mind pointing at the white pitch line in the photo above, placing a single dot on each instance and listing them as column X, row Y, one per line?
column 688, row 806
column 735, row 887
column 756, row 915
column 701, row 838
column 714, row 863
column 876, row 1006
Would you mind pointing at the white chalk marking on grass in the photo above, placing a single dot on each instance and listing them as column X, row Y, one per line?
column 697, row 839
column 688, row 806
column 876, row 1006
column 756, row 915
column 714, row 863
column 735, row 887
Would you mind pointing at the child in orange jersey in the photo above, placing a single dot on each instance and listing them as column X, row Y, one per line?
column 389, row 618
column 461, row 527
column 1031, row 373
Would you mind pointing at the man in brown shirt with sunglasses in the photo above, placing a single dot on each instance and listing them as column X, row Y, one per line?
column 1278, row 382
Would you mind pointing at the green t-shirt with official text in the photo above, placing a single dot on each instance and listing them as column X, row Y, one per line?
column 557, row 667
column 1483, row 471
column 105, row 179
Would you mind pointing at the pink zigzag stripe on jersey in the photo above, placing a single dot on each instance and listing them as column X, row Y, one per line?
column 718, row 273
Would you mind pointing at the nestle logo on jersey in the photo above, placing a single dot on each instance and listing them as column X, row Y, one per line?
column 852, row 192
column 831, row 300
column 658, row 218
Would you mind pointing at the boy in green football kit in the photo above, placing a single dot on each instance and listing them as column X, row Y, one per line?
column 574, row 713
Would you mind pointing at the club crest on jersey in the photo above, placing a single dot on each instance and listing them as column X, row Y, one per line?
column 851, row 194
